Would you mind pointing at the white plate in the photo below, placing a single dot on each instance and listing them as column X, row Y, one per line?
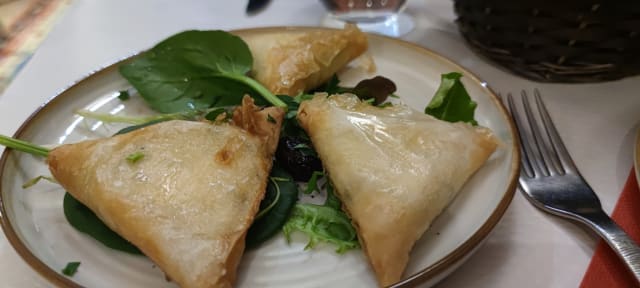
column 34, row 223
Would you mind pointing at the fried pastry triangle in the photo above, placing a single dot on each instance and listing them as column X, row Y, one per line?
column 394, row 169
column 293, row 61
column 188, row 202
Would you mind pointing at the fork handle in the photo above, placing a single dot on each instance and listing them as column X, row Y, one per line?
column 618, row 240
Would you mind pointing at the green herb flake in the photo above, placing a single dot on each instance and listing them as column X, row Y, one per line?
column 71, row 268
column 451, row 101
column 135, row 157
column 124, row 95
column 385, row 105
column 271, row 119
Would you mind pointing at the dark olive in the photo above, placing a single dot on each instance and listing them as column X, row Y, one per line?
column 296, row 155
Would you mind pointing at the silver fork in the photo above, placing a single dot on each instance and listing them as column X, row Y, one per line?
column 551, row 181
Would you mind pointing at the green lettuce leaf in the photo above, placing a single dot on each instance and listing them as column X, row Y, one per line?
column 452, row 102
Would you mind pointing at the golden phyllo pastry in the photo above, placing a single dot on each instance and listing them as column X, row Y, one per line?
column 183, row 192
column 394, row 169
column 293, row 61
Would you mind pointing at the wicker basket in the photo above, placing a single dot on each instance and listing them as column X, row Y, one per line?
column 556, row 41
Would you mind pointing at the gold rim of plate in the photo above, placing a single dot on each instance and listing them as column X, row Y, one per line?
column 423, row 275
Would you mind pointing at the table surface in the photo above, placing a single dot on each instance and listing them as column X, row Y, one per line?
column 526, row 249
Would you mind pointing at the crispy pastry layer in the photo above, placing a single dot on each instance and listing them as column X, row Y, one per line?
column 394, row 169
column 188, row 203
column 291, row 62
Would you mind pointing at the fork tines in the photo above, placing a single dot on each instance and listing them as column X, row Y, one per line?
column 543, row 153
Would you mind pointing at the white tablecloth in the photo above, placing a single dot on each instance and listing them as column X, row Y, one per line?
column 527, row 248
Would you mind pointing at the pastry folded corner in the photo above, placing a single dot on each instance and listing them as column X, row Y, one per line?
column 264, row 123
column 292, row 62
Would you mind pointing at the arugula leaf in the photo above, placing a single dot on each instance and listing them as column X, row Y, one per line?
column 71, row 268
column 452, row 102
column 196, row 70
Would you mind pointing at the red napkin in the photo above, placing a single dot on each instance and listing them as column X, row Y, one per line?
column 606, row 269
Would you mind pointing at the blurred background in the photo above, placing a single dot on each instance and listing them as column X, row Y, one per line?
column 23, row 25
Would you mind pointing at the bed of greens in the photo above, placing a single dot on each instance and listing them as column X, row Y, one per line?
column 196, row 75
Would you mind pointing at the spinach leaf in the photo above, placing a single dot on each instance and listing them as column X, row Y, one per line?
column 84, row 220
column 272, row 221
column 452, row 102
column 196, row 70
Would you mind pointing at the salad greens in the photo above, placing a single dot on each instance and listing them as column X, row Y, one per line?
column 452, row 102
column 281, row 195
column 375, row 90
column 71, row 268
column 196, row 70
column 323, row 223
